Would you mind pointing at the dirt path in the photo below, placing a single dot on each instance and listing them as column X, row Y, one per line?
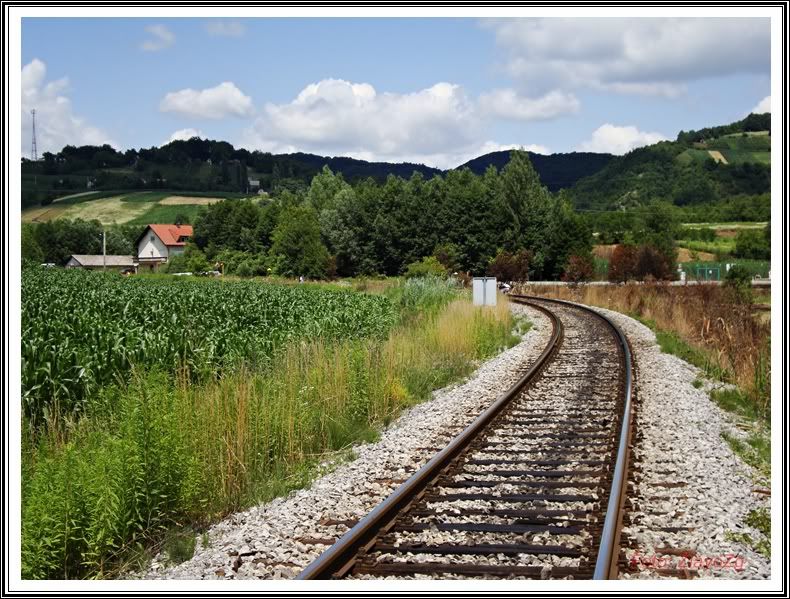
column 188, row 200
column 717, row 156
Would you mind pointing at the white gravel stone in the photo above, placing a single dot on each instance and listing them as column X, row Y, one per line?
column 681, row 442
column 279, row 537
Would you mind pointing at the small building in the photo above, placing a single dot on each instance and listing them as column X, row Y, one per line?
column 253, row 184
column 98, row 262
column 158, row 243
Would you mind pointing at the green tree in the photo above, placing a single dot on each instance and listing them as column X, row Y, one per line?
column 59, row 239
column 31, row 251
column 567, row 234
column 118, row 243
column 348, row 228
column 471, row 217
column 324, row 188
column 297, row 249
column 659, row 229
column 752, row 244
column 267, row 221
column 527, row 201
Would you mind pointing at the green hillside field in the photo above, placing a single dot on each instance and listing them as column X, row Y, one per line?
column 737, row 148
column 119, row 207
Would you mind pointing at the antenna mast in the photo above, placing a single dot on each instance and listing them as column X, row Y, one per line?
column 35, row 151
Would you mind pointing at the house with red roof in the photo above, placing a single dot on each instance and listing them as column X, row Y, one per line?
column 158, row 243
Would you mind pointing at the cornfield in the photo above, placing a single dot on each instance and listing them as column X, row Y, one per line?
column 83, row 330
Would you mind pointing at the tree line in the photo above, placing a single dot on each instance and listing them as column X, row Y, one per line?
column 506, row 224
column 366, row 228
column 753, row 122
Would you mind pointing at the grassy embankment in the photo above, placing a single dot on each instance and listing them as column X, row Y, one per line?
column 714, row 329
column 161, row 451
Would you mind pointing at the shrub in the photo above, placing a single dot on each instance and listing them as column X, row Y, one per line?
column 651, row 263
column 738, row 281
column 244, row 269
column 579, row 269
column 192, row 260
column 506, row 266
column 622, row 264
column 448, row 256
column 427, row 267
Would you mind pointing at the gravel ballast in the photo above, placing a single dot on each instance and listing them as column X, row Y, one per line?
column 689, row 490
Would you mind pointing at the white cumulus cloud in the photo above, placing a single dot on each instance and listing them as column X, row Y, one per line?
column 655, row 56
column 618, row 140
column 436, row 125
column 509, row 104
column 56, row 123
column 184, row 134
column 763, row 106
column 225, row 28
column 160, row 38
column 213, row 103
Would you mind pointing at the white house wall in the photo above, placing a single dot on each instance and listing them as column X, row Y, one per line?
column 148, row 249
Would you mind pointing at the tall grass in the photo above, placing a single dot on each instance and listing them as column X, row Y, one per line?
column 722, row 334
column 422, row 294
column 159, row 450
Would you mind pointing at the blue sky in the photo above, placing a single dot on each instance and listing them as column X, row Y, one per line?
column 437, row 90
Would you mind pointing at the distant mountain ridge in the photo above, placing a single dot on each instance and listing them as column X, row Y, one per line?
column 355, row 168
column 556, row 171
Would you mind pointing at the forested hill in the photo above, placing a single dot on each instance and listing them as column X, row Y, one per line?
column 204, row 165
column 699, row 167
column 557, row 171
column 197, row 165
column 354, row 169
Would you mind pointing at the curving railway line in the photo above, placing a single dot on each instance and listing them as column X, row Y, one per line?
column 533, row 488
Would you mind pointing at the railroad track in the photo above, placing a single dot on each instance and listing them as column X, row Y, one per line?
column 533, row 488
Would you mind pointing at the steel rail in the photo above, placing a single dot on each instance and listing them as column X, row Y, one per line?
column 606, row 560
column 339, row 558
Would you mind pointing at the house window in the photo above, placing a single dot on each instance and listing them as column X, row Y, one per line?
column 152, row 238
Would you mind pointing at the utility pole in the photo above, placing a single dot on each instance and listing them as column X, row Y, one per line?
column 104, row 248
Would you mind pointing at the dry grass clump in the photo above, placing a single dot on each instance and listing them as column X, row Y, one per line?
column 729, row 337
